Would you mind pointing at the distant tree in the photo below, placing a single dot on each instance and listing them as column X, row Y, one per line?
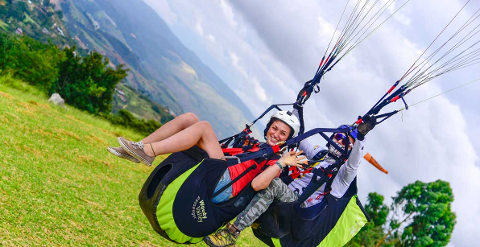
column 375, row 208
column 42, row 18
column 19, row 10
column 59, row 14
column 15, row 14
column 125, row 118
column 424, row 211
column 87, row 83
column 372, row 232
column 46, row 3
column 29, row 60
column 4, row 12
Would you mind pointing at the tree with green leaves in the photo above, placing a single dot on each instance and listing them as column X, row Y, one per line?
column 372, row 232
column 87, row 82
column 422, row 214
column 29, row 60
column 46, row 3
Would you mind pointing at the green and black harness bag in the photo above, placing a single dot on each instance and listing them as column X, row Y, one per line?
column 176, row 198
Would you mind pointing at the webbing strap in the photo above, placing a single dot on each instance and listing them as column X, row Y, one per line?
column 264, row 152
column 252, row 167
column 324, row 178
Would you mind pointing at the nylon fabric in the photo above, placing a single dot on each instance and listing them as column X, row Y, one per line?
column 349, row 224
column 276, row 242
column 165, row 214
column 238, row 169
column 176, row 198
column 306, row 227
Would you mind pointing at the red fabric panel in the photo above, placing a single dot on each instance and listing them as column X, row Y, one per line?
column 237, row 169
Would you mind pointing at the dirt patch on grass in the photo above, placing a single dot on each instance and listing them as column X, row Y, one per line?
column 44, row 106
column 84, row 158
column 33, row 152
column 6, row 95
column 96, row 141
column 63, row 132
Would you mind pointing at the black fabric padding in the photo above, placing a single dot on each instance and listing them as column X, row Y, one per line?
column 153, row 188
column 198, row 186
column 196, row 153
column 303, row 227
column 156, row 177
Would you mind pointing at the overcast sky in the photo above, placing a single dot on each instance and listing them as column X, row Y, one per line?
column 266, row 50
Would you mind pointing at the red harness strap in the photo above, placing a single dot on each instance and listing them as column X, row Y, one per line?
column 318, row 197
column 276, row 148
column 235, row 151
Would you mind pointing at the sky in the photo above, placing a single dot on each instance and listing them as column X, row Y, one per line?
column 266, row 50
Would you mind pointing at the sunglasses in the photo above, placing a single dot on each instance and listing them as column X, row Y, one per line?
column 342, row 137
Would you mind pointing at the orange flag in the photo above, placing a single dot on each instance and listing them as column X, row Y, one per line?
column 372, row 161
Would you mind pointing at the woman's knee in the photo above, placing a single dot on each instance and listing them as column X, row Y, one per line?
column 189, row 118
column 205, row 126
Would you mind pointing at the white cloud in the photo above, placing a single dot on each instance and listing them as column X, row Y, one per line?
column 211, row 38
column 235, row 59
column 199, row 28
column 259, row 90
column 228, row 12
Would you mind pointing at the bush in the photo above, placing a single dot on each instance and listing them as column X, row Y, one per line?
column 30, row 60
column 87, row 82
column 125, row 118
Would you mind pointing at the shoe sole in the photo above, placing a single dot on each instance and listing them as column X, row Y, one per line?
column 132, row 153
column 211, row 244
column 123, row 156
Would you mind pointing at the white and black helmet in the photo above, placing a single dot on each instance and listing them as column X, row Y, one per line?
column 288, row 118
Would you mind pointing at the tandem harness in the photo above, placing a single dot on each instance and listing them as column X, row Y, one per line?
column 177, row 196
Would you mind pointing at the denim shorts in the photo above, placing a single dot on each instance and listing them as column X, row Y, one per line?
column 227, row 193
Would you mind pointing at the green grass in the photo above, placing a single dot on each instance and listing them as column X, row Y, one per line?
column 3, row 25
column 58, row 184
column 29, row 19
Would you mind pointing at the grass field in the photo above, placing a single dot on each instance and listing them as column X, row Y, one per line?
column 59, row 186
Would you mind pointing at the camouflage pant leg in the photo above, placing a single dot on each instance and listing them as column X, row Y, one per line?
column 276, row 190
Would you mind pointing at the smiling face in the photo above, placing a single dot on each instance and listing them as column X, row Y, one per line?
column 278, row 132
column 340, row 140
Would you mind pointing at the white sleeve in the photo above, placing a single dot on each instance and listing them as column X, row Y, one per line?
column 348, row 171
column 309, row 149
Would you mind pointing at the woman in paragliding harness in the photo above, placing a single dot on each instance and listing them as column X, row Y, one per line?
column 276, row 189
column 186, row 131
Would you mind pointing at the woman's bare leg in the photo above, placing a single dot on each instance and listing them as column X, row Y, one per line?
column 171, row 128
column 200, row 134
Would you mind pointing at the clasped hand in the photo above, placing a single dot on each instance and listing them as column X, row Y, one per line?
column 293, row 158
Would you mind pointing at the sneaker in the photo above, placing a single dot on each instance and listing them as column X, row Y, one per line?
column 223, row 238
column 135, row 149
column 121, row 153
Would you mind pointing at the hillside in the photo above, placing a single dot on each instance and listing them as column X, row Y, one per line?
column 59, row 186
column 36, row 18
column 139, row 105
column 130, row 32
column 42, row 20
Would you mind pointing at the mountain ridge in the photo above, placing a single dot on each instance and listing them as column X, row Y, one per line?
column 162, row 67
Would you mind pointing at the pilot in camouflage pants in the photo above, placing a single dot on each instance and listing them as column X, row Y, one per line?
column 278, row 190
